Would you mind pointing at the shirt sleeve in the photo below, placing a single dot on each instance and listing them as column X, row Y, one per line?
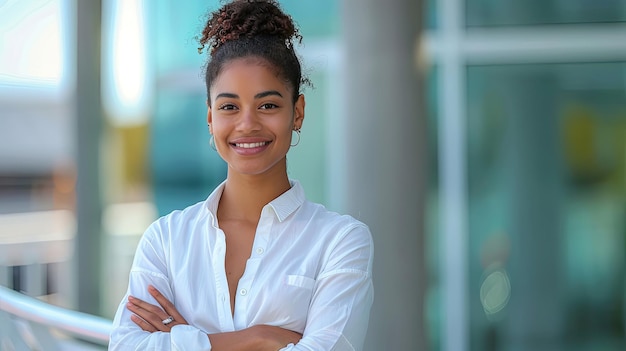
column 149, row 268
column 342, row 298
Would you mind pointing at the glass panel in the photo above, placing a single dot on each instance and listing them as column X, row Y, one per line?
column 37, row 142
column 184, row 169
column 529, row 12
column 430, row 14
column 315, row 18
column 36, row 166
column 31, row 42
column 547, row 206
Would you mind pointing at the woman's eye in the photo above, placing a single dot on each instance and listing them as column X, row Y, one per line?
column 268, row 106
column 227, row 107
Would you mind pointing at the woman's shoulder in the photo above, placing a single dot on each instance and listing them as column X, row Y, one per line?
column 189, row 213
column 179, row 221
column 333, row 221
column 341, row 237
column 321, row 211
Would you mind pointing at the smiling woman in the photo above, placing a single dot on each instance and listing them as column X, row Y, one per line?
column 256, row 266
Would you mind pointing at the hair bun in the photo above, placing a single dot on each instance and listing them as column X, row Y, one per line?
column 247, row 19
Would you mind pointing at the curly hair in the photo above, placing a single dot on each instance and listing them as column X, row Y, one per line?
column 253, row 28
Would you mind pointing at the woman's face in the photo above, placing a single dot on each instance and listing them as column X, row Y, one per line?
column 252, row 116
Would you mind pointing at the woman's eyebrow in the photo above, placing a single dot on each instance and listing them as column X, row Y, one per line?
column 227, row 96
column 267, row 93
column 257, row 96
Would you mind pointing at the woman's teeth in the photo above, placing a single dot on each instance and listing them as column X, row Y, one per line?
column 250, row 145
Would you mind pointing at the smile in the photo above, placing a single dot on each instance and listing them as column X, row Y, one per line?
column 251, row 145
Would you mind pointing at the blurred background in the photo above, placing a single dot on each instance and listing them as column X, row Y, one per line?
column 522, row 163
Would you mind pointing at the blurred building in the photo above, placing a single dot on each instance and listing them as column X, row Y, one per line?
column 525, row 209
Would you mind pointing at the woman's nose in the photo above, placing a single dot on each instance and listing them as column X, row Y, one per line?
column 248, row 120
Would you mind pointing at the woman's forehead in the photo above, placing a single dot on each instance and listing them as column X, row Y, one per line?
column 250, row 73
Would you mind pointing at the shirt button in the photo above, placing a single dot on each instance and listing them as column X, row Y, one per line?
column 260, row 250
column 243, row 292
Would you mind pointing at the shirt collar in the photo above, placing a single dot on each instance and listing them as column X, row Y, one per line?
column 289, row 201
column 283, row 206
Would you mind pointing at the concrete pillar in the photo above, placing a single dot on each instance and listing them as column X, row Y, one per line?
column 384, row 142
column 88, row 116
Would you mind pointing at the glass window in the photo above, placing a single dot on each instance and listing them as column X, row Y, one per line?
column 31, row 42
column 35, row 134
column 529, row 12
column 430, row 14
column 315, row 18
column 547, row 206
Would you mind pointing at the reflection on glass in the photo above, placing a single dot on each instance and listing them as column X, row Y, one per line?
column 125, row 88
column 495, row 291
column 547, row 206
column 31, row 42
column 528, row 12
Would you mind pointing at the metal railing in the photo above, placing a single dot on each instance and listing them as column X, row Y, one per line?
column 36, row 258
column 27, row 323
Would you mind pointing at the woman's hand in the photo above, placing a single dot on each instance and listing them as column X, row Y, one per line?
column 151, row 318
column 154, row 318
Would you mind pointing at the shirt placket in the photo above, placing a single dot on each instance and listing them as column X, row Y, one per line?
column 222, row 296
column 245, row 288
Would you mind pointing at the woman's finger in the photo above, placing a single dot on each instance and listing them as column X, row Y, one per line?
column 156, row 310
column 167, row 305
column 143, row 324
column 149, row 313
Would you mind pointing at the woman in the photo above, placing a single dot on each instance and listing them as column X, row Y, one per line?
column 256, row 266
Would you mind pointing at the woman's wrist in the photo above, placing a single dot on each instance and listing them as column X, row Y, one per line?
column 247, row 339
column 255, row 338
column 260, row 337
column 269, row 337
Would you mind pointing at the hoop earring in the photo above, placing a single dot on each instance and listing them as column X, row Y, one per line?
column 298, row 134
column 212, row 143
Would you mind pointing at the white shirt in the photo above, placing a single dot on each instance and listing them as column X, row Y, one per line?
column 309, row 271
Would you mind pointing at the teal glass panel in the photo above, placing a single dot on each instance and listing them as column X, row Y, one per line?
column 175, row 25
column 184, row 168
column 316, row 18
column 306, row 161
column 532, row 12
column 430, row 14
column 546, row 148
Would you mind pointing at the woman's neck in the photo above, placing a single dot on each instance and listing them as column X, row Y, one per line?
column 244, row 196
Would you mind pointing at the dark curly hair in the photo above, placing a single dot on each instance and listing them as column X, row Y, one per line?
column 252, row 28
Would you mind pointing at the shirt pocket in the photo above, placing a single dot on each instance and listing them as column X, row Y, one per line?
column 300, row 281
column 294, row 299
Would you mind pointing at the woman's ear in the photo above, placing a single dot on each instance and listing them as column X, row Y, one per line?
column 209, row 120
column 299, row 112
